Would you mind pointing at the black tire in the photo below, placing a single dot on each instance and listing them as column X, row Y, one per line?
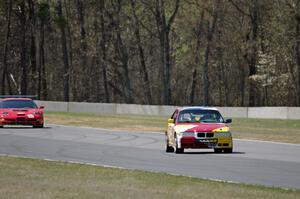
column 218, row 150
column 1, row 126
column 169, row 149
column 178, row 150
column 38, row 126
column 229, row 150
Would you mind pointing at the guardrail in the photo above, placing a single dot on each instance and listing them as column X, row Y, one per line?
column 111, row 108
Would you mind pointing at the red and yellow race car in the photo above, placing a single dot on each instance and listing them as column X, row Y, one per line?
column 21, row 111
column 198, row 128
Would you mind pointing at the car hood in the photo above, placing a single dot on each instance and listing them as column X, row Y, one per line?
column 198, row 127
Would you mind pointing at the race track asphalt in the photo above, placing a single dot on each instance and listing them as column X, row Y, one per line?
column 253, row 162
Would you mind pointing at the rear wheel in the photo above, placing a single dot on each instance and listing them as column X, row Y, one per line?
column 218, row 150
column 229, row 150
column 178, row 150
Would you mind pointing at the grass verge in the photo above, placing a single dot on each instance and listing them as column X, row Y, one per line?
column 31, row 178
column 260, row 129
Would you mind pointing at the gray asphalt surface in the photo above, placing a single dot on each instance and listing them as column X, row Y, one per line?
column 265, row 163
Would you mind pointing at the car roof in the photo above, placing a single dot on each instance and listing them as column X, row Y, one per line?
column 20, row 99
column 198, row 108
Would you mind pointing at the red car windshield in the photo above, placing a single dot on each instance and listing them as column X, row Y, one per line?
column 17, row 104
column 199, row 115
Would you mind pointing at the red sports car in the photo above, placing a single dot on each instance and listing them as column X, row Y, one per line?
column 21, row 111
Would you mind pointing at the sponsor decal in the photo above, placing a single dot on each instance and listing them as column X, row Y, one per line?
column 182, row 128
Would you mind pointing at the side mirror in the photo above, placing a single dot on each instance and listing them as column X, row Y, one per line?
column 171, row 121
column 41, row 107
column 228, row 121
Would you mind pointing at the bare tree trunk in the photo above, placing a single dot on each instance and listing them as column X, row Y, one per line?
column 225, row 85
column 103, row 50
column 69, row 45
column 124, row 60
column 253, row 53
column 41, row 57
column 199, row 33
column 4, row 72
column 210, row 35
column 242, row 75
column 84, row 67
column 66, row 75
column 164, row 28
column 33, row 51
column 121, row 51
column 220, row 74
column 193, row 87
column 143, row 68
column 161, row 24
column 298, row 53
column 222, row 84
column 23, row 49
column 42, row 79
column 252, row 38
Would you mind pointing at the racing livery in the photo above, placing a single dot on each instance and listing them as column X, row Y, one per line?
column 198, row 128
column 21, row 111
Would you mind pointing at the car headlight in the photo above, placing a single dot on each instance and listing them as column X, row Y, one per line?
column 5, row 113
column 223, row 134
column 187, row 134
column 222, row 129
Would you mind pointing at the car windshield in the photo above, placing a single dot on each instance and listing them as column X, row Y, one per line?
column 200, row 115
column 17, row 104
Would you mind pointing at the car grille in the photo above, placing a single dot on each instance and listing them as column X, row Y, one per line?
column 21, row 120
column 202, row 135
column 205, row 134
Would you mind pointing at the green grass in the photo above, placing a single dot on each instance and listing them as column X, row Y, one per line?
column 267, row 129
column 30, row 178
column 121, row 122
column 260, row 129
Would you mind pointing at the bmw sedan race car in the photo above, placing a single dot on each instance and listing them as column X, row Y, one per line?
column 21, row 111
column 198, row 128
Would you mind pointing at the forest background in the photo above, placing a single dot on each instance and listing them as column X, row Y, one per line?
column 172, row 52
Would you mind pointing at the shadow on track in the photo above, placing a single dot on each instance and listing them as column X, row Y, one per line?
column 25, row 127
column 205, row 153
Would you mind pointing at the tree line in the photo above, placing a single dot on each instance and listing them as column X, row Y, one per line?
column 172, row 52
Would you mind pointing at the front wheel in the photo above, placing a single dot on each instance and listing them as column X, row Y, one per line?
column 169, row 149
column 178, row 150
column 39, row 126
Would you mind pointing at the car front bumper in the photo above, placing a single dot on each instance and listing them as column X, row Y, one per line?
column 205, row 143
column 21, row 121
